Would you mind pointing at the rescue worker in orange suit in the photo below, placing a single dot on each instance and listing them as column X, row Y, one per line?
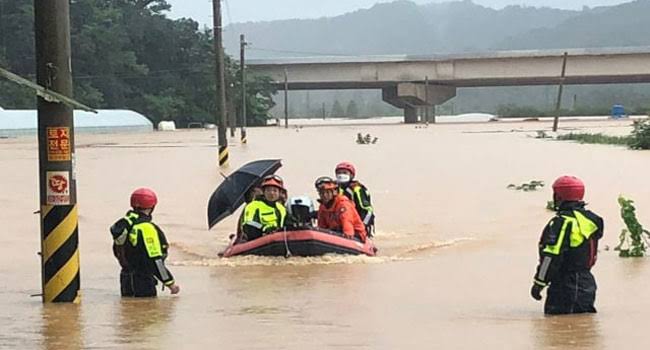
column 140, row 246
column 357, row 193
column 336, row 212
column 266, row 214
column 567, row 251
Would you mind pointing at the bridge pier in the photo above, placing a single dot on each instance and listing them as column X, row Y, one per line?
column 410, row 115
column 410, row 96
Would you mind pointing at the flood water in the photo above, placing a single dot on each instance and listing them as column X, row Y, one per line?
column 457, row 249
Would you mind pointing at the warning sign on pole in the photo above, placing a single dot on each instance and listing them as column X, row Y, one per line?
column 58, row 144
column 58, row 188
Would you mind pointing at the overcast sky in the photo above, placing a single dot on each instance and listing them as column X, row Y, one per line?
column 260, row 10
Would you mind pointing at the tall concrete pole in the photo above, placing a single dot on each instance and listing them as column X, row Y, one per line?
column 221, row 113
column 559, row 93
column 242, row 63
column 426, row 99
column 286, row 99
column 58, row 190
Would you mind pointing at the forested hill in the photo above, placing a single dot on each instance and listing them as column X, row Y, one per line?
column 400, row 27
column 403, row 27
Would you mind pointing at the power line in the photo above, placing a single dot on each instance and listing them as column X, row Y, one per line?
column 301, row 52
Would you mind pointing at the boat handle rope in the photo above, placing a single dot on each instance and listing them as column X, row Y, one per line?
column 286, row 245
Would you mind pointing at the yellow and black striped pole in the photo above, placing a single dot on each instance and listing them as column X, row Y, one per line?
column 223, row 156
column 60, row 253
column 244, row 139
column 58, row 197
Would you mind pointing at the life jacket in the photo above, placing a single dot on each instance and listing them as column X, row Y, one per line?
column 359, row 195
column 263, row 216
column 341, row 216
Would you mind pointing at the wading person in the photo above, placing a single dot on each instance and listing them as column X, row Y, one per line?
column 141, row 249
column 336, row 212
column 266, row 214
column 567, row 251
column 357, row 193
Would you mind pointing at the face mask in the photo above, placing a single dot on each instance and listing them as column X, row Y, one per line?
column 342, row 178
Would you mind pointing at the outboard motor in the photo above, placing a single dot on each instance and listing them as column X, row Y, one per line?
column 300, row 211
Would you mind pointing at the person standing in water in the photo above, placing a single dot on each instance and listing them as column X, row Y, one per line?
column 567, row 251
column 140, row 247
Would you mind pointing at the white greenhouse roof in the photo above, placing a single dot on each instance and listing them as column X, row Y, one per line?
column 17, row 119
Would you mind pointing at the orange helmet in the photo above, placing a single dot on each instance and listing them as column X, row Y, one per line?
column 273, row 180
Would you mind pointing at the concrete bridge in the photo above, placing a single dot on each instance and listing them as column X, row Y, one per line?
column 409, row 82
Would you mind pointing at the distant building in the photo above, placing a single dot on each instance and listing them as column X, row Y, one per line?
column 16, row 122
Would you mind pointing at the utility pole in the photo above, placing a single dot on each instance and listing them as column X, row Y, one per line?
column 559, row 93
column 426, row 99
column 286, row 99
column 221, row 113
column 242, row 63
column 58, row 188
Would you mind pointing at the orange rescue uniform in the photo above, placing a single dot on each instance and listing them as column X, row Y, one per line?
column 342, row 216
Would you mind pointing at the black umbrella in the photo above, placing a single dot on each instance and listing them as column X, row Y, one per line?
column 230, row 193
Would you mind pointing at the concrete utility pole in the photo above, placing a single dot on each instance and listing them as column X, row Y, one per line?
column 426, row 99
column 242, row 63
column 221, row 113
column 556, row 121
column 58, row 190
column 286, row 99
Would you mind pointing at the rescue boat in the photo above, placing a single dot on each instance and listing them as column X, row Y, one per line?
column 302, row 242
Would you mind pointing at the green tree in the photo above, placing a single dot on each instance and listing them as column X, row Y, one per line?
column 128, row 54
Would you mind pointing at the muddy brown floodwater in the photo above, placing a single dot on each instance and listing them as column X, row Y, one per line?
column 457, row 249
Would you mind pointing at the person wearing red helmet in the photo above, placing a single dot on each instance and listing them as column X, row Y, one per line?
column 567, row 251
column 267, row 213
column 357, row 193
column 336, row 212
column 140, row 247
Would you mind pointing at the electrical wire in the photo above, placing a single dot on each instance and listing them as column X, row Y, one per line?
column 301, row 52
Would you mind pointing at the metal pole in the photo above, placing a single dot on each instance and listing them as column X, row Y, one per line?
column 58, row 188
column 559, row 93
column 242, row 63
column 232, row 117
column 426, row 99
column 221, row 113
column 286, row 98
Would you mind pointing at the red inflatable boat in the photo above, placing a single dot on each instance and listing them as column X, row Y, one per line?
column 308, row 242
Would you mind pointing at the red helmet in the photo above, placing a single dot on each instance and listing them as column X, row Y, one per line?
column 143, row 198
column 346, row 166
column 325, row 183
column 568, row 188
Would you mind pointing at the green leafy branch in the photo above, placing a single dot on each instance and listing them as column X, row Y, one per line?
column 527, row 186
column 632, row 240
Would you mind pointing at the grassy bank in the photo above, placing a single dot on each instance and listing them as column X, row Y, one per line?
column 596, row 139
column 639, row 138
